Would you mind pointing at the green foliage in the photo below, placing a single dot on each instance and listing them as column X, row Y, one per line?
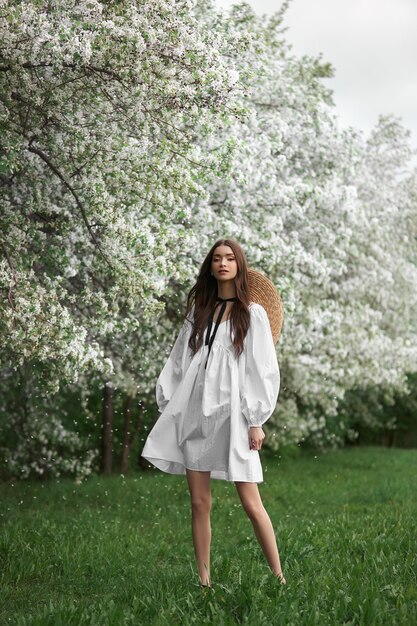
column 44, row 436
column 382, row 415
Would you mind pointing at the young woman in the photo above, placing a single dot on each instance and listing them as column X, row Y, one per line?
column 219, row 384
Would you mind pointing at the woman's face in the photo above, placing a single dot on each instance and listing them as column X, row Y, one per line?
column 223, row 263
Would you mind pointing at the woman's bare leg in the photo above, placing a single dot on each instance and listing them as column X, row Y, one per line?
column 261, row 522
column 200, row 491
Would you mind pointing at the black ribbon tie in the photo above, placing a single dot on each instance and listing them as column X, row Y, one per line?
column 209, row 340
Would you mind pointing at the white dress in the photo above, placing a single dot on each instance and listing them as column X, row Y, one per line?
column 206, row 413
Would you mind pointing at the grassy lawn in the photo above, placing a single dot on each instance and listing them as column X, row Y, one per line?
column 118, row 550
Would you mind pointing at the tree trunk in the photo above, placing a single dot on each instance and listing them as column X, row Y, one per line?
column 127, row 436
column 391, row 438
column 142, row 462
column 107, row 438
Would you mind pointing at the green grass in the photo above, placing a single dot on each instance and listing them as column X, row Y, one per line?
column 119, row 550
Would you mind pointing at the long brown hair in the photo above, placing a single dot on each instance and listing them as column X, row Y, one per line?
column 203, row 297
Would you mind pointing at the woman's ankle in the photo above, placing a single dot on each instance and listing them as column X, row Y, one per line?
column 205, row 579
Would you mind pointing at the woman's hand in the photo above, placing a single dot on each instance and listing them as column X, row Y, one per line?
column 256, row 437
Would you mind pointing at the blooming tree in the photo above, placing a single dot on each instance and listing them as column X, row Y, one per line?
column 134, row 134
column 331, row 218
column 100, row 106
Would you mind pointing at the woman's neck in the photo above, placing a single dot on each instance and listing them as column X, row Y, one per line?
column 226, row 290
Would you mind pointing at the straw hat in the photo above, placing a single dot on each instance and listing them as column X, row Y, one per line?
column 263, row 291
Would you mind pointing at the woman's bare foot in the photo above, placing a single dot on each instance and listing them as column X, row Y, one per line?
column 207, row 586
column 281, row 578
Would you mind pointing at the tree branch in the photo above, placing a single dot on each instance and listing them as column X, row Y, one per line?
column 72, row 66
column 71, row 189
column 10, row 264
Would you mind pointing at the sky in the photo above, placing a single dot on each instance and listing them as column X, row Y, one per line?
column 372, row 46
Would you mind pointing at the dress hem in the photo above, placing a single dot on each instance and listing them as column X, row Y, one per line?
column 175, row 467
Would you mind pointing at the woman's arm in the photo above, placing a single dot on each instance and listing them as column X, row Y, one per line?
column 261, row 380
column 175, row 367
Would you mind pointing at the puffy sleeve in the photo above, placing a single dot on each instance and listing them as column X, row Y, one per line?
column 176, row 365
column 261, row 376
